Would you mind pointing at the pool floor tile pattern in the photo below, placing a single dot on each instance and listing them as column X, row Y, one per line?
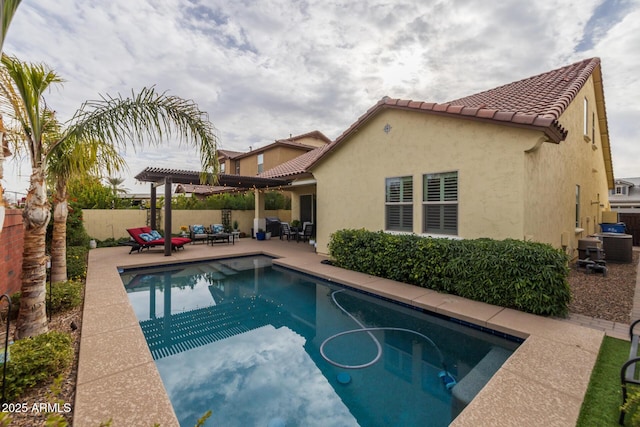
column 542, row 383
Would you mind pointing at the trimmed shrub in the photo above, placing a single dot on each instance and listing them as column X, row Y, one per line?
column 36, row 360
column 77, row 262
column 64, row 296
column 526, row 276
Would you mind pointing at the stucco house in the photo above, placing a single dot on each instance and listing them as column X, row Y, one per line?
column 527, row 160
column 625, row 196
column 256, row 161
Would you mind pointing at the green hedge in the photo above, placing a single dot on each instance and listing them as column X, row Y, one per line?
column 527, row 276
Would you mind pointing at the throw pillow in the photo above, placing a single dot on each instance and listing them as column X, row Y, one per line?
column 198, row 229
column 155, row 234
column 218, row 228
column 146, row 237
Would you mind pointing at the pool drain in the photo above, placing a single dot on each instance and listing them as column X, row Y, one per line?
column 344, row 378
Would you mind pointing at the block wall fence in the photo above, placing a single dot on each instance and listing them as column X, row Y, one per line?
column 11, row 245
column 102, row 224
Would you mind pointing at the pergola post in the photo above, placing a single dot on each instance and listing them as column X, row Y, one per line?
column 152, row 221
column 167, row 216
column 259, row 221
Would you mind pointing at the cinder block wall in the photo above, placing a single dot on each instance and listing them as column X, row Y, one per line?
column 11, row 246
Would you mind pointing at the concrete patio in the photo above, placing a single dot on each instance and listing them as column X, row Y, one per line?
column 542, row 383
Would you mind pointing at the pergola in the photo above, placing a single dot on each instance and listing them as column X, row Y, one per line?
column 167, row 177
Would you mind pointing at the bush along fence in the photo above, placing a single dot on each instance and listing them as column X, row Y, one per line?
column 526, row 276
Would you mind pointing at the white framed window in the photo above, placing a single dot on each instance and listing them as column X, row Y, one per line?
column 586, row 117
column 260, row 162
column 222, row 165
column 440, row 203
column 237, row 167
column 577, row 206
column 621, row 189
column 399, row 203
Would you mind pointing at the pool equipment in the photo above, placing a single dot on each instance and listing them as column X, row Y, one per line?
column 447, row 378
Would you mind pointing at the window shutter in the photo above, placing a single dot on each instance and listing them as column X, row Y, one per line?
column 399, row 203
column 440, row 203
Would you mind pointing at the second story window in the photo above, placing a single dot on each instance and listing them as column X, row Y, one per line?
column 222, row 167
column 260, row 163
column 237, row 167
column 586, row 117
column 620, row 189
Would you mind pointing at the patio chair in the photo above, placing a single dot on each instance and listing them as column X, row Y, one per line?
column 197, row 233
column 146, row 238
column 306, row 233
column 217, row 234
column 285, row 230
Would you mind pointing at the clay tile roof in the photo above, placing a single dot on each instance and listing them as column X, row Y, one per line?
column 295, row 166
column 545, row 94
column 535, row 102
column 229, row 154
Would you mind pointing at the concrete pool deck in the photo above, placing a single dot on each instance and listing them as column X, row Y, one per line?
column 542, row 383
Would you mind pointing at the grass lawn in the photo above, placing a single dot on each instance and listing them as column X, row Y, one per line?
column 601, row 406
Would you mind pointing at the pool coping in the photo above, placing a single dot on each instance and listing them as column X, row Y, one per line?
column 542, row 383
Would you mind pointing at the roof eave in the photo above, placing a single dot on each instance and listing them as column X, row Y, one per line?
column 550, row 127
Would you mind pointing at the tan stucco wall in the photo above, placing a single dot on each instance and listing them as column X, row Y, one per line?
column 351, row 181
column 552, row 173
column 272, row 158
column 503, row 191
column 113, row 223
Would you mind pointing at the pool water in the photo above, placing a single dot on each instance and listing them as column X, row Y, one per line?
column 260, row 345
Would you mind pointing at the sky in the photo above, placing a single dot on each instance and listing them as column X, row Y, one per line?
column 265, row 70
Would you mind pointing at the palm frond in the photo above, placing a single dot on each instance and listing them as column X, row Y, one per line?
column 149, row 118
column 30, row 82
column 8, row 9
column 73, row 157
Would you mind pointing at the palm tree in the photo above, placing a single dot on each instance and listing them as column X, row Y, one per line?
column 7, row 10
column 115, row 183
column 73, row 158
column 144, row 119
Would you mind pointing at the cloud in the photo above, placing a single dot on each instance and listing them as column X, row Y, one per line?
column 264, row 368
column 264, row 70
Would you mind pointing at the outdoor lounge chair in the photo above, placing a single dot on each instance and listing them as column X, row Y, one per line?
column 198, row 233
column 145, row 238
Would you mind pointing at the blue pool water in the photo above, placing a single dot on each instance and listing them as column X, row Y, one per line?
column 243, row 338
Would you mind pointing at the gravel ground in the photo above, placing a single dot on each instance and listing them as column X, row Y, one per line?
column 610, row 297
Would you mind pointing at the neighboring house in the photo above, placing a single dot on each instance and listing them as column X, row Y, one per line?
column 625, row 197
column 258, row 160
column 625, row 200
column 527, row 160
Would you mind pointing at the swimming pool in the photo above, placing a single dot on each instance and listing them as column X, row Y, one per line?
column 244, row 340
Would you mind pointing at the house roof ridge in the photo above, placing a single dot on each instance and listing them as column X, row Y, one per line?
column 534, row 102
column 575, row 75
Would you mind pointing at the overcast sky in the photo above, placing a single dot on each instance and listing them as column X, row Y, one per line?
column 264, row 70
